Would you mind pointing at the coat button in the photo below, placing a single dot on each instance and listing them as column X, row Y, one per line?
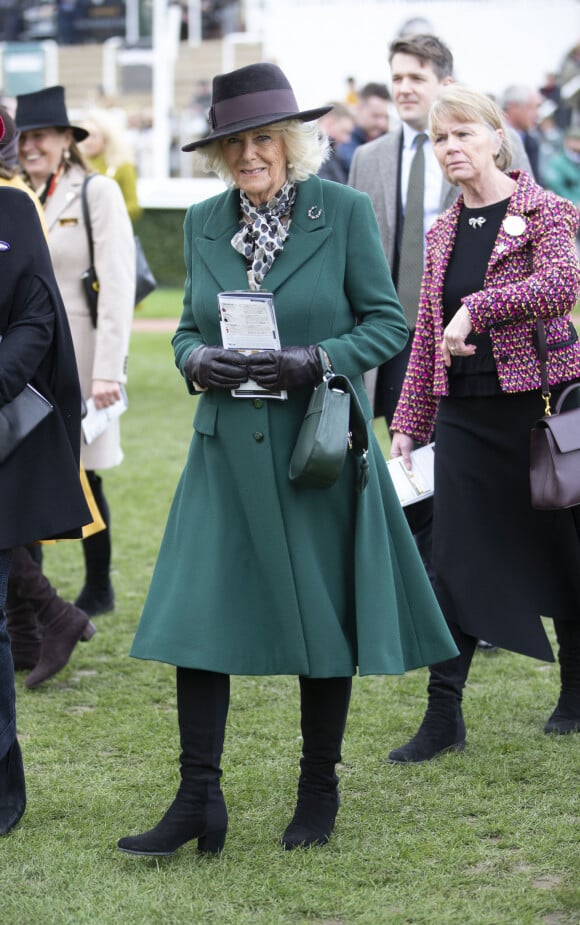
column 258, row 402
column 258, row 436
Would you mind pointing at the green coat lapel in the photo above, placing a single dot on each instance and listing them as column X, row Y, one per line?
column 215, row 248
column 308, row 232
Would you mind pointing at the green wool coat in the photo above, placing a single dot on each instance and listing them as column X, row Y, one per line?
column 257, row 576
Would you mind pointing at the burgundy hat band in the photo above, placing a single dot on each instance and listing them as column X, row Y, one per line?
column 250, row 105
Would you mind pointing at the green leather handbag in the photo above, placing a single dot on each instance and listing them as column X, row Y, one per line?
column 333, row 424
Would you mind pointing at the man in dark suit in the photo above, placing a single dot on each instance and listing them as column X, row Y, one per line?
column 420, row 66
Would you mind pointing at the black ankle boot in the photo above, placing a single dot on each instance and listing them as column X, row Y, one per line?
column 324, row 707
column 441, row 731
column 12, row 788
column 199, row 810
column 566, row 717
column 204, row 819
column 443, row 728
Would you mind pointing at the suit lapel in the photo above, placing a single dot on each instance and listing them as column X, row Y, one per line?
column 66, row 192
column 389, row 166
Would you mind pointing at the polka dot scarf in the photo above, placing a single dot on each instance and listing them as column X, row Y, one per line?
column 262, row 234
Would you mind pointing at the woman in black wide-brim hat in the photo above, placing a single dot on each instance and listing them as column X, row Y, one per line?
column 256, row 575
column 55, row 168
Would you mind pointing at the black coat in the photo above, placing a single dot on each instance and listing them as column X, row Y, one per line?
column 40, row 492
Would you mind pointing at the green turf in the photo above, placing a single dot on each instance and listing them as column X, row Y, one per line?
column 489, row 837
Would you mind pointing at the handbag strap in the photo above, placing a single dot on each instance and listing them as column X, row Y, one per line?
column 542, row 349
column 358, row 436
column 87, row 217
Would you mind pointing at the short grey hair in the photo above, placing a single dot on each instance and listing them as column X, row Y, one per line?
column 465, row 105
column 306, row 149
column 517, row 94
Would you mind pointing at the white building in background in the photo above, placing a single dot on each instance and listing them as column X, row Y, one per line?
column 319, row 43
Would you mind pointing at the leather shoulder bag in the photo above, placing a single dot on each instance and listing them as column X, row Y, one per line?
column 145, row 281
column 333, row 424
column 555, row 444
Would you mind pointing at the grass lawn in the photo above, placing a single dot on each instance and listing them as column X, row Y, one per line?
column 162, row 303
column 489, row 837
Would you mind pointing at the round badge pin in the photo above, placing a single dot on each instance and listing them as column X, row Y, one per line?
column 314, row 212
column 514, row 225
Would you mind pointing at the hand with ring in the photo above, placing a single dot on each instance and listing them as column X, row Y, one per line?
column 454, row 336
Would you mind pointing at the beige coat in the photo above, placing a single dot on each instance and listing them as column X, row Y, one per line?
column 101, row 353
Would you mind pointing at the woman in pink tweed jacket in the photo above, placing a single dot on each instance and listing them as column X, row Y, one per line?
column 503, row 255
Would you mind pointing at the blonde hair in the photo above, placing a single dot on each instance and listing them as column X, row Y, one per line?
column 305, row 147
column 465, row 105
column 117, row 148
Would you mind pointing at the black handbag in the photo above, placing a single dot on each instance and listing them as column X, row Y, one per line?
column 19, row 417
column 555, row 445
column 333, row 424
column 145, row 281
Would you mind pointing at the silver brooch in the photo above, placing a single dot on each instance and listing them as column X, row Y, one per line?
column 314, row 212
column 477, row 222
column 514, row 225
column 4, row 246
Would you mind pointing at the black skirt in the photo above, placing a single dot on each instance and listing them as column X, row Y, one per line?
column 500, row 565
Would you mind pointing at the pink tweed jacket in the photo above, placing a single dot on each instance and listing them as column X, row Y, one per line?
column 530, row 275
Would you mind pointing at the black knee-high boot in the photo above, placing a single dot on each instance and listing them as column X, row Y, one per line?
column 324, row 707
column 97, row 595
column 442, row 729
column 566, row 716
column 199, row 810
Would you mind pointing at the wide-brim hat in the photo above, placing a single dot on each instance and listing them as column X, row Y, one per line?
column 45, row 109
column 251, row 96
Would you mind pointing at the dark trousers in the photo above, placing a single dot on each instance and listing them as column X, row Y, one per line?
column 12, row 783
column 7, row 691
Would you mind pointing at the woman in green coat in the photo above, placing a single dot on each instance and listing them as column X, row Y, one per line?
column 256, row 575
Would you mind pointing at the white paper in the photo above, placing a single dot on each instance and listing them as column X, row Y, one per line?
column 418, row 483
column 97, row 420
column 248, row 324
